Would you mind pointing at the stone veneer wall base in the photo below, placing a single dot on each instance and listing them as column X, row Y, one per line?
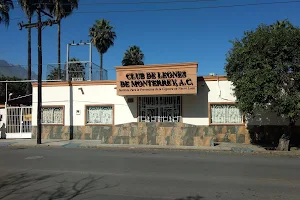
column 175, row 134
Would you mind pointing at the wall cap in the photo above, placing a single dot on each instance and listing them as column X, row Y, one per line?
column 113, row 82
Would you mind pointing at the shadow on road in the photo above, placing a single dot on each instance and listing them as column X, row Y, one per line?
column 32, row 186
column 191, row 198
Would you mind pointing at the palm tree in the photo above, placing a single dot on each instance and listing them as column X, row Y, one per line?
column 133, row 56
column 102, row 36
column 5, row 7
column 61, row 9
column 28, row 8
column 54, row 74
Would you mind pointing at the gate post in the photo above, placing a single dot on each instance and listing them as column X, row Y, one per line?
column 21, row 121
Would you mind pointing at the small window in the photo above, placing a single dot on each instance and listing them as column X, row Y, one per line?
column 225, row 114
column 53, row 115
column 99, row 114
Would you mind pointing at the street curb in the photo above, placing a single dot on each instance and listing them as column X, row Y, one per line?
column 155, row 148
column 74, row 145
column 16, row 145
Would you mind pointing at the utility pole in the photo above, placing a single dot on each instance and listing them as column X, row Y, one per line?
column 39, row 26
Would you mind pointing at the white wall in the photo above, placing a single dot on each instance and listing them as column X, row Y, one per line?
column 195, row 107
column 95, row 94
column 51, row 96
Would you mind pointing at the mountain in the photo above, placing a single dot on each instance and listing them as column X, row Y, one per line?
column 11, row 70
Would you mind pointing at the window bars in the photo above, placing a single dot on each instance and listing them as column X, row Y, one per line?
column 160, row 109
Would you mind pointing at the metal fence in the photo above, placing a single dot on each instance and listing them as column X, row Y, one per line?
column 19, row 122
column 77, row 71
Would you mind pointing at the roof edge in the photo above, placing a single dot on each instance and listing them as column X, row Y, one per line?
column 156, row 65
column 114, row 82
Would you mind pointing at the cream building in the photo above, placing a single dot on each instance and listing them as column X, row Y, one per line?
column 154, row 104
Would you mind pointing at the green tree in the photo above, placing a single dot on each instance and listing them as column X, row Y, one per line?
column 102, row 36
column 76, row 70
column 61, row 9
column 17, row 89
column 54, row 74
column 265, row 71
column 28, row 7
column 5, row 7
column 133, row 56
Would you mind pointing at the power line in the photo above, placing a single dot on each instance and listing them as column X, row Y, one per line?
column 18, row 65
column 125, row 3
column 46, row 65
column 195, row 8
column 107, row 69
column 134, row 3
column 184, row 9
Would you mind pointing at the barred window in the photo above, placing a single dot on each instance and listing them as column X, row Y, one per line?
column 225, row 114
column 98, row 114
column 53, row 115
column 159, row 109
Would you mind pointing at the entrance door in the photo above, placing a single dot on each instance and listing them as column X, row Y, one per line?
column 159, row 109
column 151, row 113
column 18, row 122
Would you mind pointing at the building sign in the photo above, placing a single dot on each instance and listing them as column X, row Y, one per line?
column 157, row 79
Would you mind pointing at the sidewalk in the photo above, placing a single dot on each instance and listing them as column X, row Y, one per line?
column 97, row 144
column 225, row 147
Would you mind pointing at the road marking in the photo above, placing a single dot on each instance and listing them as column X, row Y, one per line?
column 34, row 157
column 276, row 179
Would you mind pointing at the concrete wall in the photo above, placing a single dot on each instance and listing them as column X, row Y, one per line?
column 194, row 108
column 96, row 94
column 194, row 113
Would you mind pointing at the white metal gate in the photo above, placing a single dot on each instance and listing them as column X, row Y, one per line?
column 18, row 122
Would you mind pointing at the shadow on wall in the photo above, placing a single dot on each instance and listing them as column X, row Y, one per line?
column 266, row 130
column 132, row 103
column 266, row 118
column 196, row 106
column 270, row 134
column 58, row 186
column 3, row 131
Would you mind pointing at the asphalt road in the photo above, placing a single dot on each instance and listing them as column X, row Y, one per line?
column 115, row 174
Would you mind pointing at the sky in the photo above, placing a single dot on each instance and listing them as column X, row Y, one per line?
column 165, row 36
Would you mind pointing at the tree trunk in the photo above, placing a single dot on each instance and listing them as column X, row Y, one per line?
column 284, row 141
column 29, row 87
column 101, row 66
column 58, row 49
